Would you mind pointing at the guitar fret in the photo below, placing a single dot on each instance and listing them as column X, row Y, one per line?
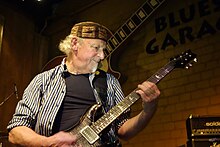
column 153, row 3
column 106, row 52
column 122, row 106
column 96, row 128
column 147, row 8
column 133, row 97
column 122, row 33
column 99, row 125
column 112, row 112
column 111, row 45
column 118, row 38
column 125, row 105
column 141, row 14
column 104, row 121
column 158, row 78
column 126, row 29
column 155, row 78
column 131, row 25
column 160, row 74
column 118, row 109
column 114, row 41
column 109, row 48
column 136, row 20
column 109, row 116
column 128, row 101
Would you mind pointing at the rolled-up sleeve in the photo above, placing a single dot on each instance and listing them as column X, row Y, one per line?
column 28, row 107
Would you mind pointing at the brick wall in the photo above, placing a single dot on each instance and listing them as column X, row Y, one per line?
column 183, row 92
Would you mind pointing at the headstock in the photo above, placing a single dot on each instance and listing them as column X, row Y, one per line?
column 184, row 60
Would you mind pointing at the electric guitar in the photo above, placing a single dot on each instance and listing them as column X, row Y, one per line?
column 119, row 36
column 88, row 131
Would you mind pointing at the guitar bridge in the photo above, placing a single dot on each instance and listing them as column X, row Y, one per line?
column 89, row 134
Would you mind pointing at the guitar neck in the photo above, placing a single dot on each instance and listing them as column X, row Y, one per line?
column 126, row 103
column 131, row 25
column 112, row 44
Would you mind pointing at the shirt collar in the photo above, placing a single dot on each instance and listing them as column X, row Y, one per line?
column 65, row 72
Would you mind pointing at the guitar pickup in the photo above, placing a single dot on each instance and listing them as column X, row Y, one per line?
column 89, row 134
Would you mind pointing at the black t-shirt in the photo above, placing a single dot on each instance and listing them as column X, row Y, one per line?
column 79, row 97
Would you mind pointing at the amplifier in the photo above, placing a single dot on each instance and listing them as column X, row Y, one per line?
column 212, row 142
column 203, row 126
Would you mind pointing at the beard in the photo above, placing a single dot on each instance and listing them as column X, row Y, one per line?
column 95, row 67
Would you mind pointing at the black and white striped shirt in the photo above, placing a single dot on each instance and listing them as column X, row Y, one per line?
column 44, row 95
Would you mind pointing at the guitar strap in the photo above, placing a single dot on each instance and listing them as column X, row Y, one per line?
column 100, row 89
column 99, row 85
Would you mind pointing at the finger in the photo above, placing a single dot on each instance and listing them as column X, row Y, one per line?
column 144, row 97
column 146, row 90
column 149, row 95
column 146, row 85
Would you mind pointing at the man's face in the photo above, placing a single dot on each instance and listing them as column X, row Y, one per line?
column 90, row 53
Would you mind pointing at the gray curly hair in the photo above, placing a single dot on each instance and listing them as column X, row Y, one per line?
column 65, row 45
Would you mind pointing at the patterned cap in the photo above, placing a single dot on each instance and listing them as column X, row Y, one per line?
column 91, row 30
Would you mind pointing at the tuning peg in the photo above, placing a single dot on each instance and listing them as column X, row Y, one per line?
column 195, row 60
column 188, row 66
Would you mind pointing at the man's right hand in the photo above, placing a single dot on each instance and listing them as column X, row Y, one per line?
column 24, row 136
column 62, row 139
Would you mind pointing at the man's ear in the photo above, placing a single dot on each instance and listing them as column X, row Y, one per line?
column 74, row 43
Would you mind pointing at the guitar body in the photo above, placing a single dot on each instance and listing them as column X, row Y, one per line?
column 53, row 62
column 85, row 122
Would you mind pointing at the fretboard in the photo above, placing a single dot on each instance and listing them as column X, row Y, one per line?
column 126, row 103
column 131, row 25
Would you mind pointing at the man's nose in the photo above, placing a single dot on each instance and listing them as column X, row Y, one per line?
column 101, row 54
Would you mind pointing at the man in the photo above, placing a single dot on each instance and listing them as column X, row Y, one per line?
column 55, row 100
